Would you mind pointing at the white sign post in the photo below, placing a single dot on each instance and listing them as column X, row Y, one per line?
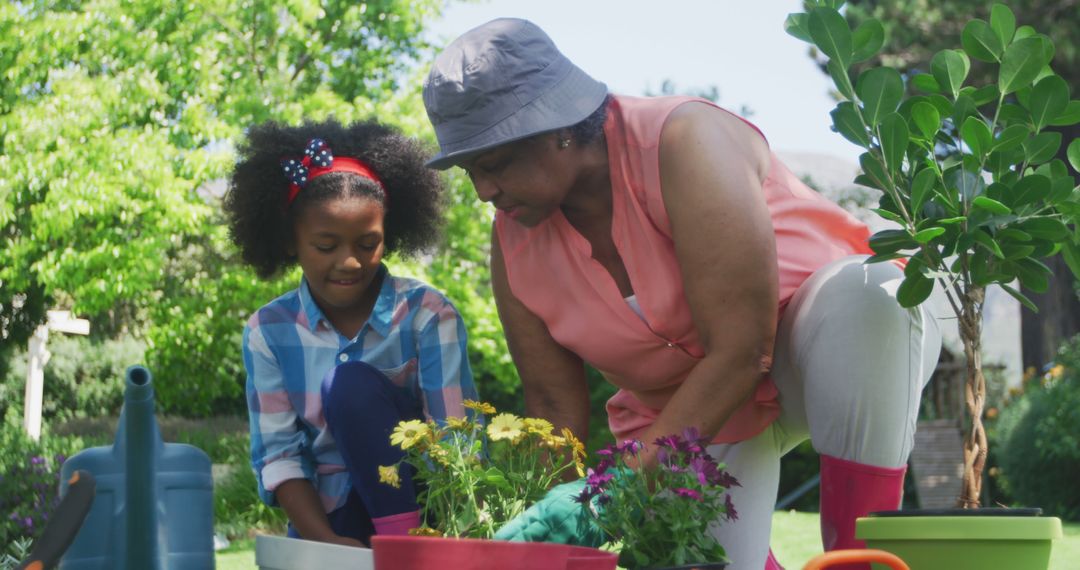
column 38, row 353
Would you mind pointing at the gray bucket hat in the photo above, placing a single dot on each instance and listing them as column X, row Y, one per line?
column 503, row 81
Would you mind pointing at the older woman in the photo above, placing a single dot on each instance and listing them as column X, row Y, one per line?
column 660, row 241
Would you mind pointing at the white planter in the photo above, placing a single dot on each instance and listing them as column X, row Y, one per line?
column 283, row 553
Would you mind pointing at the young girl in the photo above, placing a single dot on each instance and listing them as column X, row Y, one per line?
column 335, row 364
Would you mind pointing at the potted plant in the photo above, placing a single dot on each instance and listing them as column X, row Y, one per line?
column 661, row 517
column 475, row 476
column 968, row 174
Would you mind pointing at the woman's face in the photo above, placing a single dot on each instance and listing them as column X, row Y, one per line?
column 339, row 244
column 526, row 179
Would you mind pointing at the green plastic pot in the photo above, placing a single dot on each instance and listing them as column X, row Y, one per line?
column 962, row 539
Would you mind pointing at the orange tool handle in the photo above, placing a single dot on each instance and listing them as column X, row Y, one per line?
column 848, row 556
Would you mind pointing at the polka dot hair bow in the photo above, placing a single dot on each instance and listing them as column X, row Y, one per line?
column 298, row 171
column 318, row 160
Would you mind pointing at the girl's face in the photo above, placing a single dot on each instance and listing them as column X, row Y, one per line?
column 339, row 244
column 526, row 179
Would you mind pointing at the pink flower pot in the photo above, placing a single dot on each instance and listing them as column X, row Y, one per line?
column 426, row 553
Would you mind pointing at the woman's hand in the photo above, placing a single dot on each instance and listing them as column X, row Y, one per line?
column 345, row 541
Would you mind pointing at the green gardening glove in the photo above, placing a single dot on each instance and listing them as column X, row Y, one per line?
column 556, row 518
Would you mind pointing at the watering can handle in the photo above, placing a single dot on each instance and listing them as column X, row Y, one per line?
column 848, row 556
column 64, row 524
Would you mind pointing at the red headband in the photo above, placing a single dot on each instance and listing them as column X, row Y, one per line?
column 318, row 160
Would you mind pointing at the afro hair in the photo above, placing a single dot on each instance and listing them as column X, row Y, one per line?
column 261, row 220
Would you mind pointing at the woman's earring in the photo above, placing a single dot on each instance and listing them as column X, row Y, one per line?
column 564, row 143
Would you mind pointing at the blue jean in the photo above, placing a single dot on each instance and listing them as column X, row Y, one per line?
column 362, row 407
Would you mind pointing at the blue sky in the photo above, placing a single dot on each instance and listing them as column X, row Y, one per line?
column 738, row 46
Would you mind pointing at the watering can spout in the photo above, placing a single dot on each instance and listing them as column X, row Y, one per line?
column 141, row 448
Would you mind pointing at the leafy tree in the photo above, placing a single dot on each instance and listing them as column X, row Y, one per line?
column 968, row 171
column 916, row 30
column 114, row 118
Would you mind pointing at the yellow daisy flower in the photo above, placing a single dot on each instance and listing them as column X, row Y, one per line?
column 408, row 434
column 424, row 531
column 439, row 455
column 389, row 474
column 482, row 407
column 538, row 426
column 574, row 444
column 505, row 426
column 458, row 423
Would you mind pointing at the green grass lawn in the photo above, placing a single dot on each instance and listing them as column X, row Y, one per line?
column 795, row 539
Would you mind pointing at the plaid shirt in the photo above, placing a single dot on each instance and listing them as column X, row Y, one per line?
column 414, row 335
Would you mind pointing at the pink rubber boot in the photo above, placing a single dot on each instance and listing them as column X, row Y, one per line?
column 396, row 525
column 771, row 563
column 850, row 490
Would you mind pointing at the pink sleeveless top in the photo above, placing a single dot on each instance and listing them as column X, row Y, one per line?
column 551, row 270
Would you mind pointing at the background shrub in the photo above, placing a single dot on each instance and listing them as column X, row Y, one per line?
column 1038, row 438
column 29, row 478
column 84, row 377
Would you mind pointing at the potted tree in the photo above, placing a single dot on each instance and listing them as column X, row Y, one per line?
column 967, row 173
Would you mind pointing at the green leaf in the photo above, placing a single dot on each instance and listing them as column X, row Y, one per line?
column 1030, row 189
column 1024, row 32
column 1070, row 116
column 1070, row 252
column 1003, row 22
column 976, row 134
column 1009, row 138
column 985, row 94
column 873, row 169
column 1023, row 61
column 1073, row 154
column 1044, row 227
column 942, row 104
column 1020, row 297
column 921, row 186
column 982, row 238
column 1032, row 274
column 891, row 216
column 1061, row 189
column 950, row 67
column 914, row 290
column 1048, row 100
column 885, row 257
column 796, row 25
column 894, row 141
column 991, row 205
column 926, row 119
column 928, row 234
column 831, row 34
column 880, row 90
column 846, row 122
column 1042, row 147
column 926, row 83
column 966, row 184
column 891, row 241
column 1013, row 234
column 840, row 78
column 1016, row 250
column 868, row 39
column 981, row 42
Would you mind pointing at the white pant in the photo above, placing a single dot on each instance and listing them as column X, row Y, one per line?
column 850, row 364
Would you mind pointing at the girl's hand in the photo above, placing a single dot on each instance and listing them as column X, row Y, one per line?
column 346, row 541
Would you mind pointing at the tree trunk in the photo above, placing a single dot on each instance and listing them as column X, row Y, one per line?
column 975, row 447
